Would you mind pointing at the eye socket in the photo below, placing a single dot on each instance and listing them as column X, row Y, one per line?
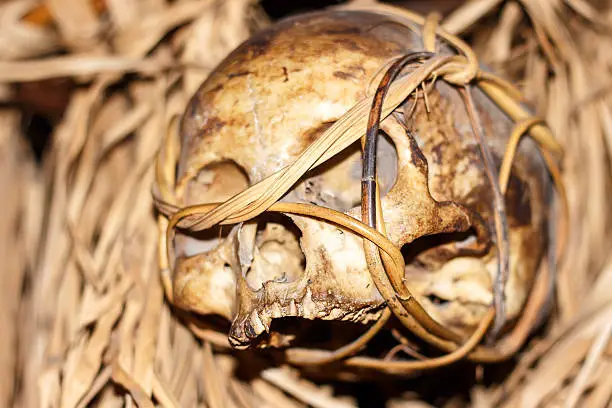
column 336, row 184
column 430, row 251
column 215, row 182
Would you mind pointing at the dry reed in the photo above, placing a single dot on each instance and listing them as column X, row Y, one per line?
column 82, row 306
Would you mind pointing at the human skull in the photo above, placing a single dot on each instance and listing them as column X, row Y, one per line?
column 269, row 100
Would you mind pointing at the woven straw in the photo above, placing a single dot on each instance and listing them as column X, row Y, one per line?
column 83, row 306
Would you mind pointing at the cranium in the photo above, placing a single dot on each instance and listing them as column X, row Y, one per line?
column 274, row 96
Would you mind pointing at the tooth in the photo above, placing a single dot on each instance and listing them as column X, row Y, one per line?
column 249, row 330
column 292, row 308
column 256, row 323
column 308, row 305
column 246, row 244
column 276, row 310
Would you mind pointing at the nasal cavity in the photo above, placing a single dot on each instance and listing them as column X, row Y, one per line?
column 275, row 253
column 431, row 251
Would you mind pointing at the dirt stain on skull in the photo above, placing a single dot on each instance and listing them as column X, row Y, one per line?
column 417, row 158
column 518, row 202
column 258, row 46
column 238, row 74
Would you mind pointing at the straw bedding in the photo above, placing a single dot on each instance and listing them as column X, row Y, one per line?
column 82, row 306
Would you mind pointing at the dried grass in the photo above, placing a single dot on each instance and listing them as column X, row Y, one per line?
column 560, row 53
column 82, row 306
